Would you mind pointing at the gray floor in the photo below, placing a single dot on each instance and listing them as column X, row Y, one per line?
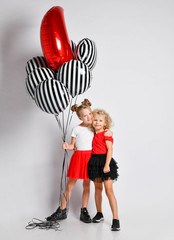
column 139, row 226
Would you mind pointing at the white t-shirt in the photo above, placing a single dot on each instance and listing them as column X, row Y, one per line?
column 84, row 137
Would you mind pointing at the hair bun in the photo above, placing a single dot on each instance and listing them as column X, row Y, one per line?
column 74, row 108
column 86, row 102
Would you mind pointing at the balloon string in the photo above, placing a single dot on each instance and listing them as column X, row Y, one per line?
column 63, row 126
column 64, row 159
column 66, row 129
column 64, row 133
column 67, row 190
column 35, row 222
column 70, row 114
column 65, row 193
column 60, row 126
column 58, row 120
column 72, row 111
column 63, row 166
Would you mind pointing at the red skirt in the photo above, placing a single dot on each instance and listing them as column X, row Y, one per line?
column 78, row 167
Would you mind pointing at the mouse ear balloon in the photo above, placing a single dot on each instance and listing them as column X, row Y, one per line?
column 36, row 77
column 36, row 62
column 54, row 38
column 86, row 52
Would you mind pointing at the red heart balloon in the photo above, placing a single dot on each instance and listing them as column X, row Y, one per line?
column 54, row 38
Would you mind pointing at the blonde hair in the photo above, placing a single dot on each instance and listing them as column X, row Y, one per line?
column 85, row 104
column 107, row 118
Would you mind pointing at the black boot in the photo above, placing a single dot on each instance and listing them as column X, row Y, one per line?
column 59, row 214
column 84, row 216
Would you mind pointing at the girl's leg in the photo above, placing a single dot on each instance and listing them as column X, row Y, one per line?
column 112, row 199
column 84, row 215
column 67, row 193
column 86, row 191
column 98, row 195
column 61, row 213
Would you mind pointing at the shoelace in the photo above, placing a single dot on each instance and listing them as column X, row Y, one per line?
column 35, row 222
column 54, row 214
column 86, row 213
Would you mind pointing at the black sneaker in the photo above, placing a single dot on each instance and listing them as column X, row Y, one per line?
column 59, row 214
column 98, row 217
column 84, row 216
column 115, row 225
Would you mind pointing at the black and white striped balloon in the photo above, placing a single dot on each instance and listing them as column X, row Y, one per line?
column 52, row 96
column 76, row 76
column 37, row 76
column 86, row 52
column 73, row 47
column 36, row 62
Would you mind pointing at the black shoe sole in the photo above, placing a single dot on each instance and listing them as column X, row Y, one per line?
column 85, row 221
column 115, row 229
column 58, row 219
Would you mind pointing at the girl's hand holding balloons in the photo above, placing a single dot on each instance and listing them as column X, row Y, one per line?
column 65, row 146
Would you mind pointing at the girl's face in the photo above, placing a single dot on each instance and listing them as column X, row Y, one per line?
column 86, row 116
column 98, row 123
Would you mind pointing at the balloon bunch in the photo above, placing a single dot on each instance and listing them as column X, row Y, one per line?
column 65, row 71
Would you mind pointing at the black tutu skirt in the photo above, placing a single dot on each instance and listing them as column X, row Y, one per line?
column 96, row 165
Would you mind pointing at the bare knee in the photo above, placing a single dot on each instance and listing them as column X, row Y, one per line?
column 109, row 192
column 86, row 185
column 71, row 183
column 98, row 187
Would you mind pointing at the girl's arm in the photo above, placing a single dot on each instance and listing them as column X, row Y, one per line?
column 65, row 145
column 108, row 156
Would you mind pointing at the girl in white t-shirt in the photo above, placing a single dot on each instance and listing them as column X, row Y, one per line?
column 81, row 137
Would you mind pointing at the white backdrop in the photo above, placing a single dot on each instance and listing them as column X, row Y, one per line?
column 132, row 80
